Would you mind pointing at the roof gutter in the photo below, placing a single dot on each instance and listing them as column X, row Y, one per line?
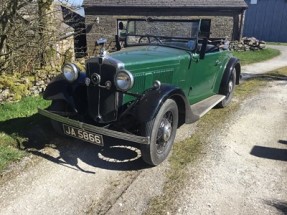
column 164, row 10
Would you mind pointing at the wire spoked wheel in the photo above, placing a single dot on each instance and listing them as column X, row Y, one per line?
column 162, row 131
column 228, row 90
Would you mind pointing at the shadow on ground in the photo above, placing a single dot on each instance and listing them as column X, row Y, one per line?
column 264, row 76
column 269, row 153
column 35, row 135
column 279, row 205
column 283, row 141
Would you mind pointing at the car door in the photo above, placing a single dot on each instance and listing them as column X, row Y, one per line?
column 202, row 76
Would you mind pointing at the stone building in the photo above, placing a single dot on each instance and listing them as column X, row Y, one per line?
column 103, row 16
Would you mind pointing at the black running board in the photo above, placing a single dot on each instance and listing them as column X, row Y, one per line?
column 201, row 108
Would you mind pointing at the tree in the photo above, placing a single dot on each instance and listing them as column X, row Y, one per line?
column 29, row 32
column 44, row 33
column 10, row 20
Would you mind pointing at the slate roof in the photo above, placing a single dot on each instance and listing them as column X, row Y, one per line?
column 167, row 3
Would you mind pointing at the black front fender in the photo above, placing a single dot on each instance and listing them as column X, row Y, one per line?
column 57, row 89
column 60, row 89
column 150, row 103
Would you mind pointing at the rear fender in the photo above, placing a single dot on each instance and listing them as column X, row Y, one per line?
column 150, row 103
column 232, row 63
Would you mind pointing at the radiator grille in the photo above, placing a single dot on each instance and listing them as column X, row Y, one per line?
column 103, row 103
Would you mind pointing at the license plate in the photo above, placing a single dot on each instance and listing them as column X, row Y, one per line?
column 83, row 135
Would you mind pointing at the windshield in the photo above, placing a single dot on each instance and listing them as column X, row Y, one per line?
column 181, row 34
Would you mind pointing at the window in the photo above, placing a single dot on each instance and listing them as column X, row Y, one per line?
column 253, row 1
column 121, row 29
column 205, row 28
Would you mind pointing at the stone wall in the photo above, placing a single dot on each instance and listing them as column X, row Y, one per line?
column 106, row 26
column 13, row 88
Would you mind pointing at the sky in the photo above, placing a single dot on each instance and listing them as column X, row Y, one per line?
column 76, row 2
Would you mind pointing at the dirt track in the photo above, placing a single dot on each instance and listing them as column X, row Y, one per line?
column 244, row 171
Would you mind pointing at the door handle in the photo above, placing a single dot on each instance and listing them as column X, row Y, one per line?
column 195, row 58
column 217, row 62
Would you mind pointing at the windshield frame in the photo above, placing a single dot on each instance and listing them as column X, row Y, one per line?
column 175, row 38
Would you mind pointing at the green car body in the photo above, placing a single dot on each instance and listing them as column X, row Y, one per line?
column 143, row 92
column 198, row 79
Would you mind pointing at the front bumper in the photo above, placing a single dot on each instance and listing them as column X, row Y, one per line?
column 95, row 129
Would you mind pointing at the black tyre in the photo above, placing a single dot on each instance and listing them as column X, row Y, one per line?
column 162, row 131
column 58, row 106
column 58, row 127
column 228, row 90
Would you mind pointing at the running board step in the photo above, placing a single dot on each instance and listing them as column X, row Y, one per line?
column 201, row 108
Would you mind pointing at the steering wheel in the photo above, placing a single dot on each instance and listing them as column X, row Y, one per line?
column 149, row 39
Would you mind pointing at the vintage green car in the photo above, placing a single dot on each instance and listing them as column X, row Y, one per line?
column 167, row 74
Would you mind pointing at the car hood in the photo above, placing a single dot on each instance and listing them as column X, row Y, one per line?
column 149, row 56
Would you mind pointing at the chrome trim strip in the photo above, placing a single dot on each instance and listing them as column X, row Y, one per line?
column 92, row 128
column 109, row 61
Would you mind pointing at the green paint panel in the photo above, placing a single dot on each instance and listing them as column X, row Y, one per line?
column 198, row 78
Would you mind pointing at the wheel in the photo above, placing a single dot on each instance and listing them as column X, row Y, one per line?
column 228, row 90
column 57, row 106
column 57, row 127
column 162, row 131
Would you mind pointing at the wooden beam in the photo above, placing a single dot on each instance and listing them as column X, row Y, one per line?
column 156, row 11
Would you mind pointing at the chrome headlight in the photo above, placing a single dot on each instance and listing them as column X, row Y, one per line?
column 124, row 80
column 70, row 71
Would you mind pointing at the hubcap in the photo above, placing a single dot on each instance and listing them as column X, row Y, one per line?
column 164, row 132
column 230, row 86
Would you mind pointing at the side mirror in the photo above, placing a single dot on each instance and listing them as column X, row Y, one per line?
column 203, row 49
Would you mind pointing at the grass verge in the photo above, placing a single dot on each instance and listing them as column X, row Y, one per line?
column 249, row 57
column 185, row 153
column 277, row 43
column 15, row 118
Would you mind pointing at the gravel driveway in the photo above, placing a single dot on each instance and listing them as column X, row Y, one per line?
column 269, row 65
column 244, row 171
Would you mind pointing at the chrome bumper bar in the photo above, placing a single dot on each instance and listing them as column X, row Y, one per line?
column 95, row 129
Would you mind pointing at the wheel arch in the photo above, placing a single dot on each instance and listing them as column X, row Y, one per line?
column 60, row 89
column 150, row 103
column 57, row 89
column 238, row 72
column 233, row 63
column 181, row 109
